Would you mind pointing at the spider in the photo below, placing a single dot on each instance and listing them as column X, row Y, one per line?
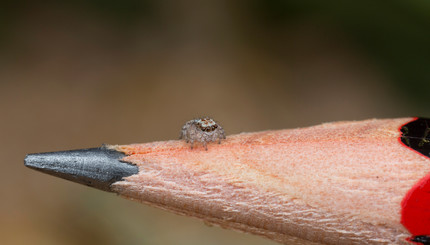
column 202, row 130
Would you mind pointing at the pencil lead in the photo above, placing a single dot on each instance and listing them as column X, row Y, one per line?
column 94, row 167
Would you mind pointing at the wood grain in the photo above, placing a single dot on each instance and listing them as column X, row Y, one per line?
column 336, row 183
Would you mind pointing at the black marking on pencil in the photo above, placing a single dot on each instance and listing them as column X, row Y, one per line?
column 94, row 167
column 416, row 135
column 425, row 240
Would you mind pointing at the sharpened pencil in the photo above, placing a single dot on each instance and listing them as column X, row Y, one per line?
column 359, row 182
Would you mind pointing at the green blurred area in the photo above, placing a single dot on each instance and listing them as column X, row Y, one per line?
column 394, row 34
column 76, row 74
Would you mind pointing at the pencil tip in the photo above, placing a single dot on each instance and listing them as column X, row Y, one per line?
column 95, row 167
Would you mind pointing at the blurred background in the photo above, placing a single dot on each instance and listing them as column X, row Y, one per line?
column 76, row 74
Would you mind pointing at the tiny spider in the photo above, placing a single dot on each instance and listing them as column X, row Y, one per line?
column 202, row 130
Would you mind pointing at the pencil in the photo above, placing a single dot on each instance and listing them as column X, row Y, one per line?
column 357, row 182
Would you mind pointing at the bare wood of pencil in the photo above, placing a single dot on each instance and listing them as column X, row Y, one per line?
column 334, row 183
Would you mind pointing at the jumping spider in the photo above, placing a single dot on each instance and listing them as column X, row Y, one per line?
column 202, row 130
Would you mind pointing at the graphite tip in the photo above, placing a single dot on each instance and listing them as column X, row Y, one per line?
column 94, row 167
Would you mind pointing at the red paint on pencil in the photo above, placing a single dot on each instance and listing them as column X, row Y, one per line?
column 415, row 206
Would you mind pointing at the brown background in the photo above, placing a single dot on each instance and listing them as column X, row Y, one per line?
column 77, row 74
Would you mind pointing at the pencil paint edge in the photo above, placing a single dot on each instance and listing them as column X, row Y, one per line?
column 415, row 211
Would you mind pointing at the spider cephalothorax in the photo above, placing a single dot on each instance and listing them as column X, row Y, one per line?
column 202, row 130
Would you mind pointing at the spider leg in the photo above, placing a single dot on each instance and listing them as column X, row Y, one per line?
column 187, row 138
column 221, row 136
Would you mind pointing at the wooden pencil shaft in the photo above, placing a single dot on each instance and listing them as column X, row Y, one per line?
column 336, row 183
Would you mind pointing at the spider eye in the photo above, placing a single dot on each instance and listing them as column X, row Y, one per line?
column 208, row 128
